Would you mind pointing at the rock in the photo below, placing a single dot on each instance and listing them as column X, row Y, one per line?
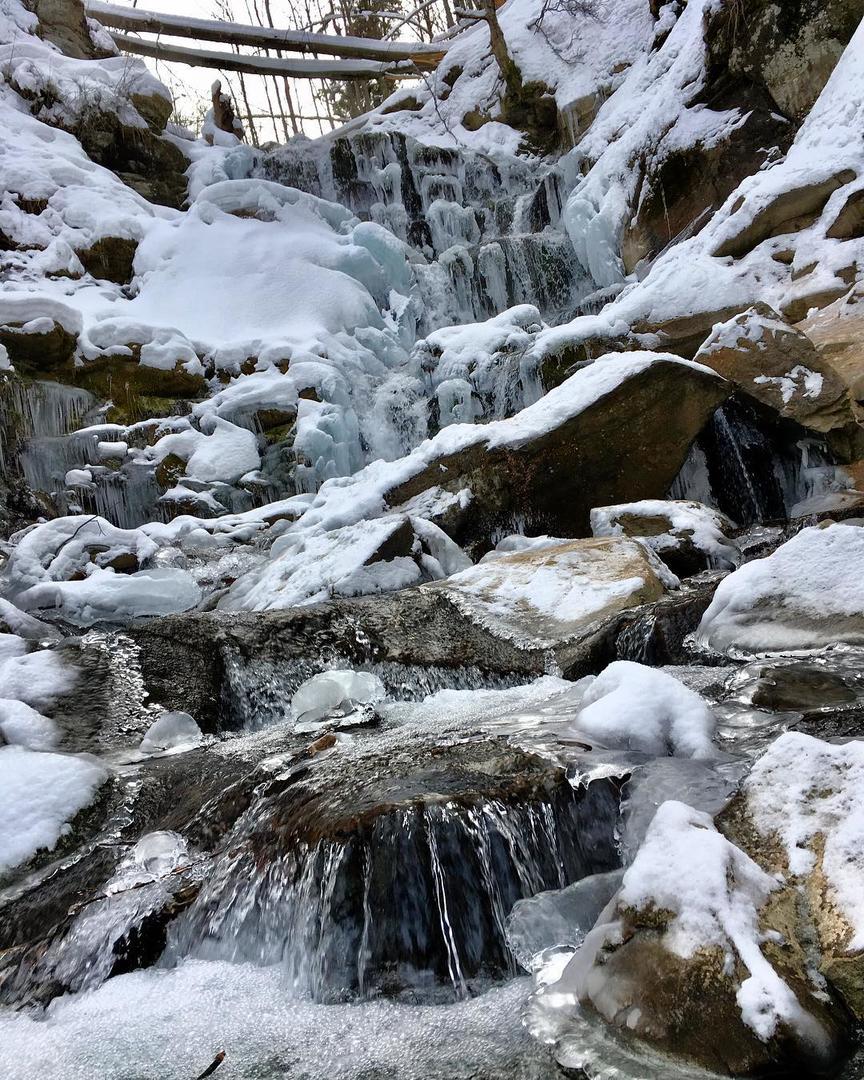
column 40, row 346
column 838, row 334
column 690, row 970
column 582, row 456
column 684, row 334
column 789, row 53
column 849, row 223
column 64, row 24
column 789, row 211
column 807, row 595
column 687, row 536
column 549, row 594
column 110, row 258
column 800, row 816
column 778, row 365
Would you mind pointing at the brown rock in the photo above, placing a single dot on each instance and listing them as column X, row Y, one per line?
column 779, row 366
column 38, row 352
column 110, row 258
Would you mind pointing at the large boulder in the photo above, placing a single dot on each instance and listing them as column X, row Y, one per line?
column 617, row 430
column 64, row 24
column 807, row 595
column 694, row 957
column 780, row 366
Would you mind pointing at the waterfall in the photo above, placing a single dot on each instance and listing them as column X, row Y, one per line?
column 756, row 467
column 412, row 899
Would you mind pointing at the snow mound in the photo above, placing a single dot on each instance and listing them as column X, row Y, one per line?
column 645, row 709
column 39, row 794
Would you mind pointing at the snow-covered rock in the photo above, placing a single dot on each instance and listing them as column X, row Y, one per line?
column 687, row 536
column 778, row 365
column 689, row 915
column 808, row 594
column 552, row 593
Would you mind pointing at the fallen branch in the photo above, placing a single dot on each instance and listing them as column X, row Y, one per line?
column 213, row 1066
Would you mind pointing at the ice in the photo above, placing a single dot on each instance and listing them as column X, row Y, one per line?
column 39, row 794
column 172, row 731
column 158, row 853
column 558, row 919
column 644, row 709
column 129, row 1026
column 335, row 694
column 106, row 596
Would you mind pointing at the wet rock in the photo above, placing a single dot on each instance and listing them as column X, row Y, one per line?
column 778, row 365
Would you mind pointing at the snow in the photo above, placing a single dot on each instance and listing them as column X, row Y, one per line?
column 808, row 594
column 39, row 794
column 807, row 793
column 644, row 709
column 20, row 725
column 702, row 526
column 35, row 678
column 547, row 594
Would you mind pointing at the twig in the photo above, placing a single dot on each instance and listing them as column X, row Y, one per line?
column 213, row 1066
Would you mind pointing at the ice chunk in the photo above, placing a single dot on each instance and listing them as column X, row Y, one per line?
column 39, row 794
column 640, row 708
column 335, row 693
column 159, row 853
column 172, row 731
column 558, row 918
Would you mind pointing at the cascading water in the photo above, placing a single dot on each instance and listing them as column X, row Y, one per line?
column 756, row 467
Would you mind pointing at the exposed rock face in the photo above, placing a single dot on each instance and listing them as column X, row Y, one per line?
column 552, row 481
column 778, row 365
column 64, row 24
column 788, row 49
column 838, row 334
column 39, row 346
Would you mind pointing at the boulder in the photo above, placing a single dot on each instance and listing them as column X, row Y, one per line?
column 788, row 211
column 801, row 816
column 780, row 366
column 694, row 958
column 687, row 536
column 838, row 334
column 39, row 346
column 808, row 594
column 110, row 258
column 552, row 463
column 64, row 24
column 551, row 593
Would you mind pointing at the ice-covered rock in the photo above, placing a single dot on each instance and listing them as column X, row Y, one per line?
column 644, row 709
column 808, row 594
column 549, row 594
column 172, row 731
column 687, row 536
